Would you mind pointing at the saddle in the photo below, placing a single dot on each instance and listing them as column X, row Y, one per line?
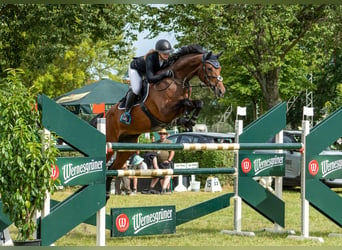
column 141, row 98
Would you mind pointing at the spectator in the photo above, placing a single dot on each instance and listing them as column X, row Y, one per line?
column 163, row 160
column 137, row 162
column 151, row 162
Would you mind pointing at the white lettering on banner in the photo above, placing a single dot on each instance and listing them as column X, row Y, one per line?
column 71, row 172
column 141, row 222
column 330, row 167
column 260, row 165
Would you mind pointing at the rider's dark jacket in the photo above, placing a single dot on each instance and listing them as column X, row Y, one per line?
column 149, row 67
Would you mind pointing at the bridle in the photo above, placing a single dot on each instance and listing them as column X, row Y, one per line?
column 186, row 84
column 207, row 77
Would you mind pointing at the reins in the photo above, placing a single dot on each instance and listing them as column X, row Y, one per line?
column 184, row 83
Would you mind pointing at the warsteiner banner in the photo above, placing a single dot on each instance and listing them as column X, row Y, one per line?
column 262, row 165
column 136, row 221
column 325, row 167
column 73, row 171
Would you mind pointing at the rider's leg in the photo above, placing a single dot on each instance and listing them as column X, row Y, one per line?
column 126, row 117
column 135, row 79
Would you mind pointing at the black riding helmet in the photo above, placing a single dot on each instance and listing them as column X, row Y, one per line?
column 164, row 46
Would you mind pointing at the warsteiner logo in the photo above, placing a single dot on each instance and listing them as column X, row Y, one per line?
column 313, row 167
column 133, row 221
column 71, row 172
column 140, row 221
column 122, row 223
column 329, row 167
column 261, row 165
column 54, row 172
column 246, row 165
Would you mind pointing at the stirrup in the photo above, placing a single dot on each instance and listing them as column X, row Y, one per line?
column 125, row 118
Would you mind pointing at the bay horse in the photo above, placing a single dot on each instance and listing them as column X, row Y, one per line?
column 166, row 101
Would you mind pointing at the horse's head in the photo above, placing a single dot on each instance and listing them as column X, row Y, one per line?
column 210, row 73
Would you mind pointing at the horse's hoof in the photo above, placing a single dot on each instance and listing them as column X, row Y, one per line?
column 192, row 122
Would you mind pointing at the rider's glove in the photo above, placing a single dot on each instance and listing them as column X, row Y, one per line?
column 168, row 73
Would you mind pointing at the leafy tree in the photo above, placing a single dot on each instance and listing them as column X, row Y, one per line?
column 329, row 82
column 25, row 168
column 82, row 64
column 277, row 46
column 36, row 37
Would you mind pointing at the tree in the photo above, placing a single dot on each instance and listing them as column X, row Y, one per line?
column 34, row 36
column 25, row 167
column 329, row 82
column 82, row 64
column 264, row 40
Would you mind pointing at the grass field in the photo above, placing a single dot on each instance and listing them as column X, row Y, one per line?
column 206, row 231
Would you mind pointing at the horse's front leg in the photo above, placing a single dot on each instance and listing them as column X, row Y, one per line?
column 194, row 106
column 198, row 105
column 188, row 108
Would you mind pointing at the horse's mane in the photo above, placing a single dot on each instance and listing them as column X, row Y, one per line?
column 185, row 50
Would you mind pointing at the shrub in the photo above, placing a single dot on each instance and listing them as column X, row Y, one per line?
column 208, row 159
column 25, row 168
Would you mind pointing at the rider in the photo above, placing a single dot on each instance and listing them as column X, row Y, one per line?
column 147, row 65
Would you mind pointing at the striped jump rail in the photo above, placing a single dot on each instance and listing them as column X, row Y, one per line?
column 164, row 172
column 122, row 146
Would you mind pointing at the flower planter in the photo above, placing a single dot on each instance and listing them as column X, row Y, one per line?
column 27, row 242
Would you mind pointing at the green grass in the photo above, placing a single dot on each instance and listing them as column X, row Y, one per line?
column 205, row 231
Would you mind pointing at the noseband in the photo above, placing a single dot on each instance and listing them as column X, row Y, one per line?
column 216, row 65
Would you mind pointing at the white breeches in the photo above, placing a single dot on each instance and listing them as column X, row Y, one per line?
column 136, row 81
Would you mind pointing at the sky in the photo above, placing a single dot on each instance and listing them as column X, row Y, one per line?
column 144, row 45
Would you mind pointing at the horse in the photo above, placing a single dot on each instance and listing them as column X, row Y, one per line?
column 165, row 102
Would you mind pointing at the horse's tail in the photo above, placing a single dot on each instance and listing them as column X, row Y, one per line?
column 93, row 122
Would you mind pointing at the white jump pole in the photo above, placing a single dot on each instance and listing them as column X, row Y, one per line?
column 278, row 181
column 101, row 214
column 238, row 200
column 305, row 206
column 46, row 207
column 305, row 202
column 241, row 111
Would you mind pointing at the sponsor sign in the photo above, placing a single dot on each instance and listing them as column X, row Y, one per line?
column 262, row 165
column 136, row 221
column 325, row 167
column 79, row 171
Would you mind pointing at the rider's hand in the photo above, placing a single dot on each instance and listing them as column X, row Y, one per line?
column 168, row 73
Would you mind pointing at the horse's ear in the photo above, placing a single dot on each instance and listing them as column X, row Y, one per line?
column 219, row 54
column 208, row 55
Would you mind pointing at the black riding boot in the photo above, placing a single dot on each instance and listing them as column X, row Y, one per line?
column 126, row 117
